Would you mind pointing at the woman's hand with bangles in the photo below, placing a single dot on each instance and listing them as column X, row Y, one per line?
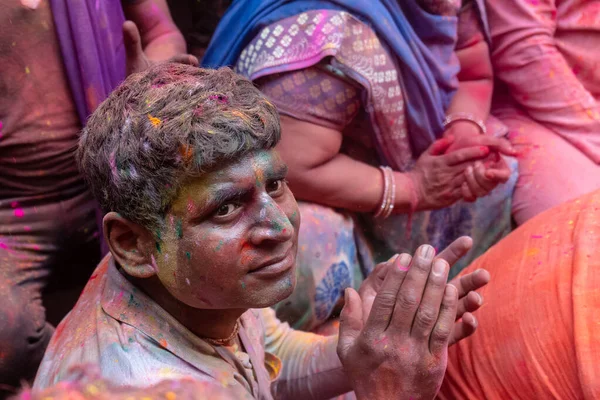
column 483, row 176
column 438, row 176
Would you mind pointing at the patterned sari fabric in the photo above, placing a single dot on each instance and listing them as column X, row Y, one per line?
column 539, row 332
column 329, row 68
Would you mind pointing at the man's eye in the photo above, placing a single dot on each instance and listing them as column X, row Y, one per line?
column 275, row 187
column 226, row 209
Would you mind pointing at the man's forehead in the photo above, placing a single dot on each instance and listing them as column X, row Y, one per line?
column 237, row 173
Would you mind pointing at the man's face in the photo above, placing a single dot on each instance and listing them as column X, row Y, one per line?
column 231, row 237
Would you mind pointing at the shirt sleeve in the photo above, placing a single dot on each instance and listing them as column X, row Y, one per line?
column 311, row 368
column 526, row 58
column 313, row 95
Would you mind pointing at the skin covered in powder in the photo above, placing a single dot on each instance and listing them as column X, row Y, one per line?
column 245, row 220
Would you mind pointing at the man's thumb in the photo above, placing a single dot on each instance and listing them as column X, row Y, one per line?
column 351, row 321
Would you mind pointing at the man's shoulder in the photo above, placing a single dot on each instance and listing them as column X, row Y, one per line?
column 76, row 339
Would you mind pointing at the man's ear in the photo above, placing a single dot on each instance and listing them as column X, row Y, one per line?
column 130, row 244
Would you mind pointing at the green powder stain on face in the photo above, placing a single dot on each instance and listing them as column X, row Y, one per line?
column 158, row 247
column 244, row 285
column 188, row 255
column 219, row 246
column 179, row 228
column 277, row 226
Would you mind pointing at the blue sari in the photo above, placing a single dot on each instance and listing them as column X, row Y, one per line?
column 424, row 47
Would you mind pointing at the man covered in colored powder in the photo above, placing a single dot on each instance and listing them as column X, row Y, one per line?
column 202, row 231
column 60, row 59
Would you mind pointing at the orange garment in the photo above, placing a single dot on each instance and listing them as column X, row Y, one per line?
column 539, row 332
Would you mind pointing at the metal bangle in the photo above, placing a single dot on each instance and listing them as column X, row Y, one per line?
column 450, row 119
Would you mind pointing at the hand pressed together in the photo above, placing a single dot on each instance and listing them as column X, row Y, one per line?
column 482, row 176
column 469, row 300
column 400, row 350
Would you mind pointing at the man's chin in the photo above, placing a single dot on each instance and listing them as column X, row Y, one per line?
column 276, row 292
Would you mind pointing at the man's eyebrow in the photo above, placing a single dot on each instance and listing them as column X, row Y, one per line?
column 221, row 196
column 277, row 173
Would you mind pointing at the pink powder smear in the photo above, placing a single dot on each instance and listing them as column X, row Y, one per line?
column 19, row 213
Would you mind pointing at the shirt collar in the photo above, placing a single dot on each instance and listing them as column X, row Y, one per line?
column 126, row 303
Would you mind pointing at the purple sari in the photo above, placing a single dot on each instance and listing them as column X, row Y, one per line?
column 90, row 34
column 91, row 41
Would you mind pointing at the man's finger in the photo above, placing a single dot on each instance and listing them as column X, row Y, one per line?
column 445, row 323
column 428, row 311
column 463, row 328
column 470, row 282
column 456, row 250
column 411, row 293
column 471, row 302
column 385, row 301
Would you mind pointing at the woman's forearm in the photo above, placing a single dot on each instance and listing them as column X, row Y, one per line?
column 343, row 182
column 319, row 173
column 473, row 97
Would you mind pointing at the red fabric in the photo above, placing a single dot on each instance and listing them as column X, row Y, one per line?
column 539, row 333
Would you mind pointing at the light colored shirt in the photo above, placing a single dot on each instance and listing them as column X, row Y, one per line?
column 133, row 341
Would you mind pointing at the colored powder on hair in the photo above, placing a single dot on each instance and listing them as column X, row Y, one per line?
column 158, row 247
column 241, row 115
column 187, row 153
column 19, row 212
column 222, row 99
column 153, row 120
column 113, row 165
column 179, row 228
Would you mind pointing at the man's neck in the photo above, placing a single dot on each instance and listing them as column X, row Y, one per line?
column 204, row 323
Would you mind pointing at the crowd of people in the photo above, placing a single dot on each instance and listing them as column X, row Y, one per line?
column 299, row 199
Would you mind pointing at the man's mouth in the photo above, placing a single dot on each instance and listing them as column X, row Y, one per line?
column 274, row 266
